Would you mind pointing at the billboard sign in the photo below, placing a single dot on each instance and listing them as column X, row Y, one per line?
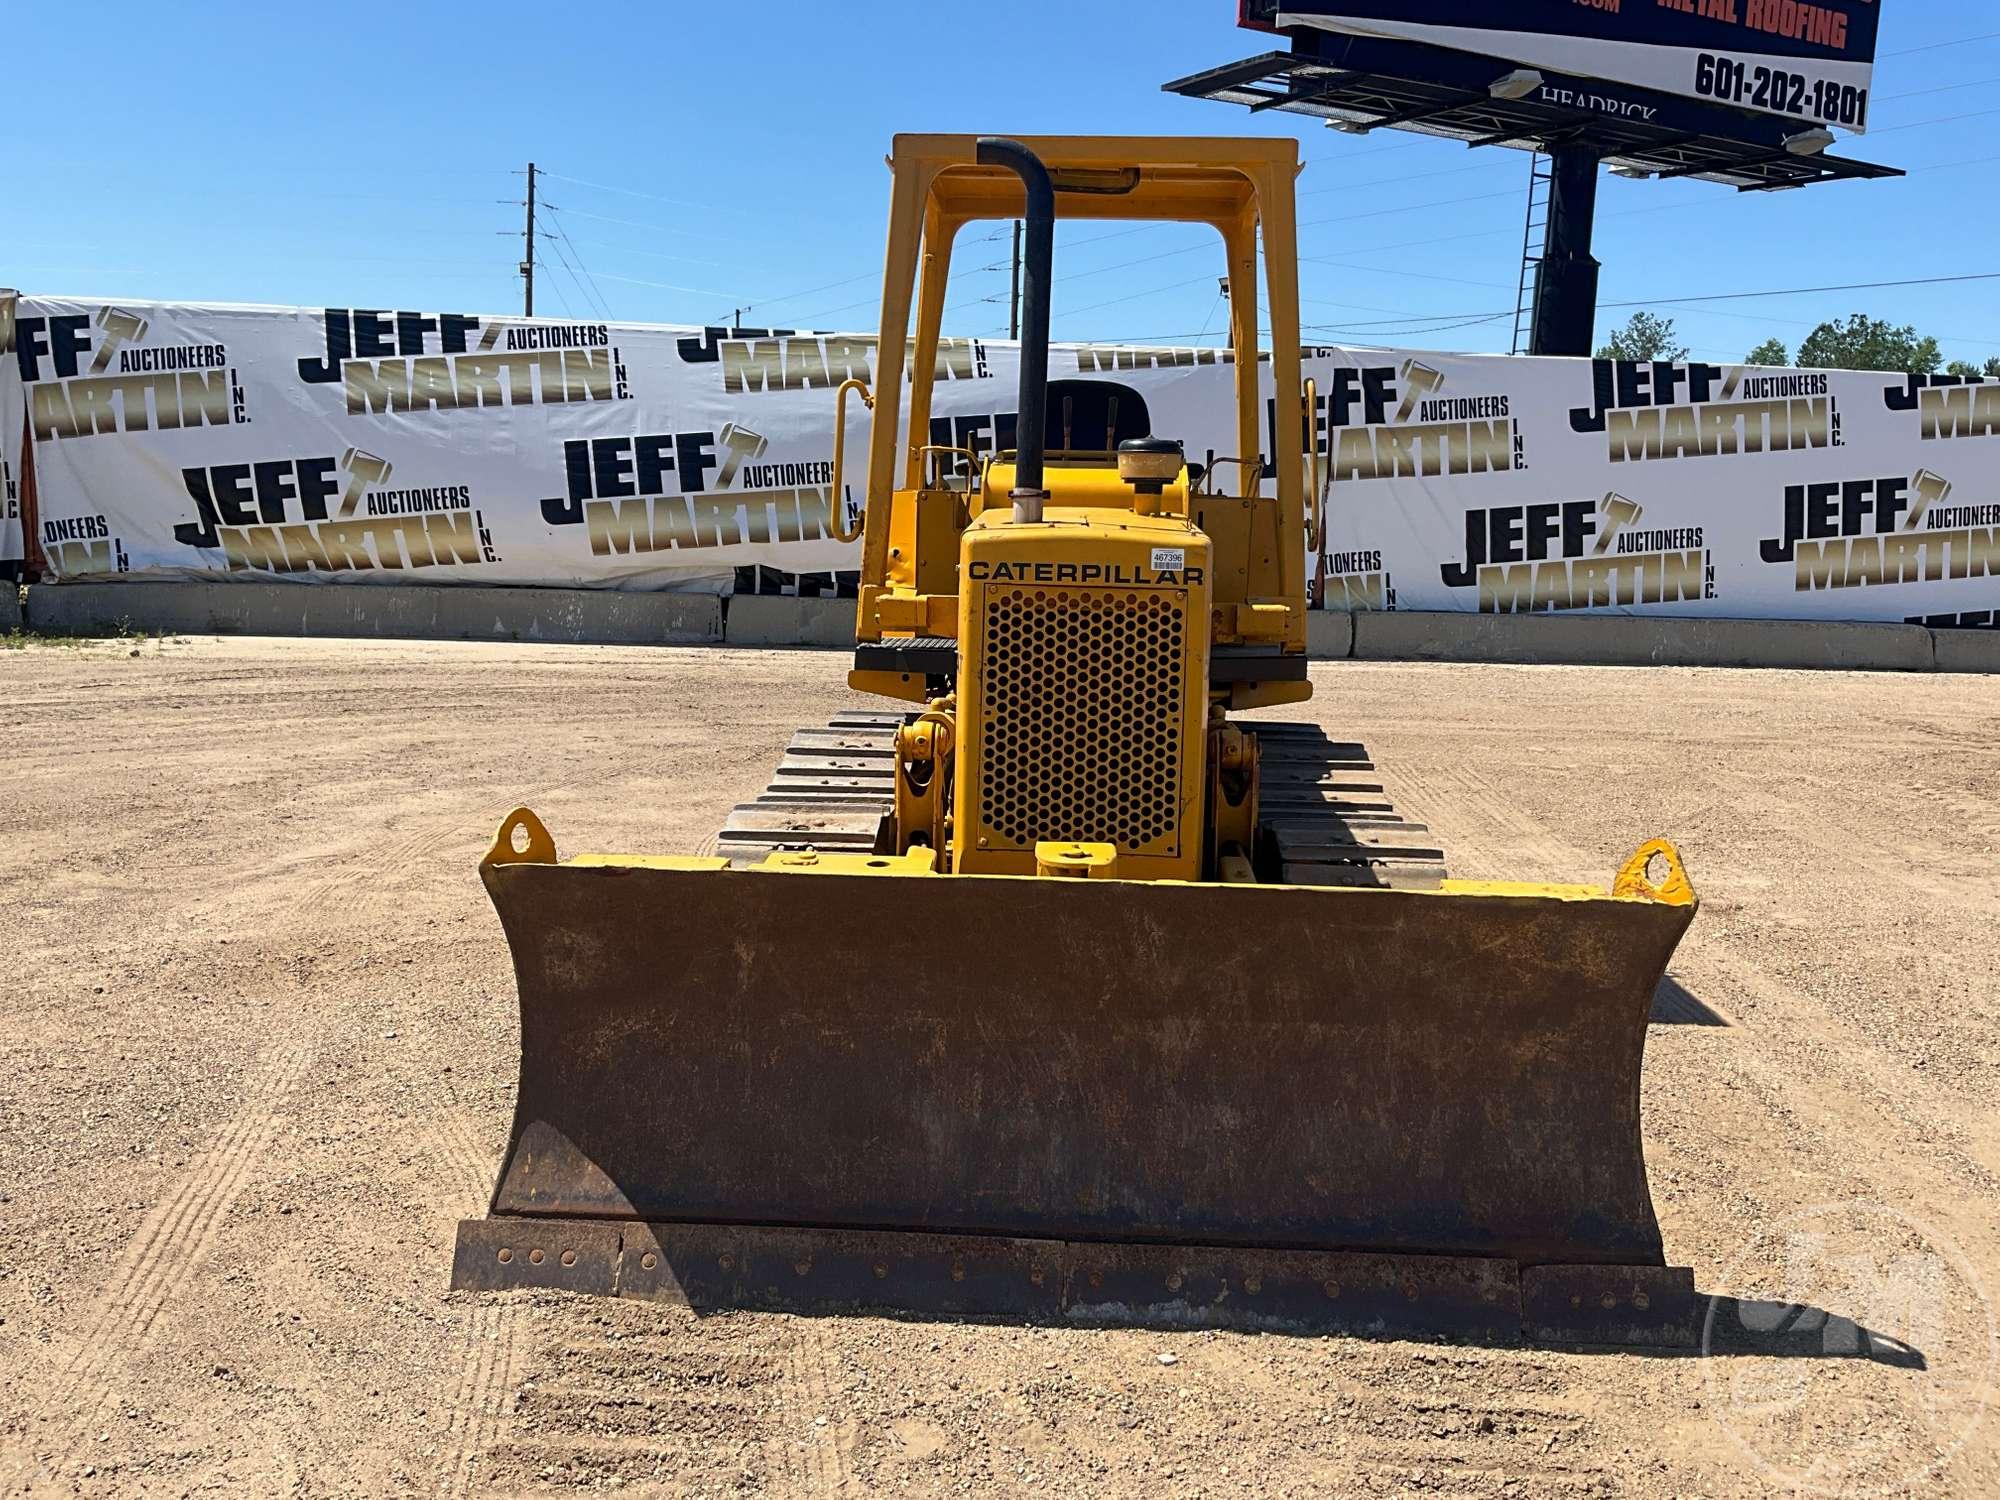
column 1811, row 61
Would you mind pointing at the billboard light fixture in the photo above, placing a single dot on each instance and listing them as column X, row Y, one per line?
column 1350, row 127
column 1516, row 85
column 1809, row 142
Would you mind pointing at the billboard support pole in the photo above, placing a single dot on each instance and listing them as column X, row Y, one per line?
column 1566, row 281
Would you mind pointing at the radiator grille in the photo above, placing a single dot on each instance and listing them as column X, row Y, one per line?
column 1081, row 738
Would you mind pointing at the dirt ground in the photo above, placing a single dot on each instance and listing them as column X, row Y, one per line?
column 257, row 1040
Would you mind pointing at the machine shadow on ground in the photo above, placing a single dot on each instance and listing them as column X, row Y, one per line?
column 1725, row 1328
column 1757, row 1328
column 1674, row 1005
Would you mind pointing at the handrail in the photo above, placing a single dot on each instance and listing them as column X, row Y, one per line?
column 838, row 510
column 1315, row 496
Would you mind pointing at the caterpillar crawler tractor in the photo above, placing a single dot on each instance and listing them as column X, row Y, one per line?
column 1061, row 991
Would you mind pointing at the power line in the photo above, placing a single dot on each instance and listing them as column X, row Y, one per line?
column 723, row 239
column 1213, row 309
column 1801, row 291
column 1341, row 187
column 562, row 259
column 603, row 187
column 761, row 302
column 1413, row 330
column 1943, row 88
column 1071, row 312
column 1498, row 286
column 1383, row 213
column 603, row 307
column 825, row 286
column 1938, row 120
column 1984, row 36
column 1208, row 244
column 810, row 291
column 686, row 260
column 561, row 295
column 809, row 318
column 1402, row 314
column 1372, row 151
column 665, row 286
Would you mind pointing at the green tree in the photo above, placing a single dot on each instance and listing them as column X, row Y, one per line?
column 1646, row 336
column 1965, row 369
column 1770, row 352
column 1865, row 343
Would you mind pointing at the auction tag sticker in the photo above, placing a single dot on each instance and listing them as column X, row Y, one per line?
column 1169, row 559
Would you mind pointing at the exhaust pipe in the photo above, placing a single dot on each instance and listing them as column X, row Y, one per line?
column 1037, row 268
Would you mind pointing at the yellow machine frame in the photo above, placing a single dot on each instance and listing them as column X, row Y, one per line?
column 913, row 529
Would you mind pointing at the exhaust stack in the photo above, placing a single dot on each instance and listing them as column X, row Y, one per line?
column 1037, row 269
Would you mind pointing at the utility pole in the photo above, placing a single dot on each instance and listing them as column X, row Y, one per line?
column 1014, row 297
column 528, row 238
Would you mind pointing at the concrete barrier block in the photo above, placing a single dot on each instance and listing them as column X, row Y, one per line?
column 777, row 620
column 827, row 622
column 599, row 616
column 1636, row 640
column 10, row 606
column 1967, row 650
column 108, row 608
column 1329, row 635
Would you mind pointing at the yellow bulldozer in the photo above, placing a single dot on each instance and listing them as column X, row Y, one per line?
column 1058, row 990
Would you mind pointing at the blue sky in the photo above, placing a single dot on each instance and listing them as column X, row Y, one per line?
column 708, row 157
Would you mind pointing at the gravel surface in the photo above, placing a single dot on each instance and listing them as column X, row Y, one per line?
column 256, row 1060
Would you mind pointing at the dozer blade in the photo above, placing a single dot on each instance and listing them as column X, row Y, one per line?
column 853, row 1083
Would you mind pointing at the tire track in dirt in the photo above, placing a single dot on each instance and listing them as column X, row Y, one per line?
column 490, row 1359
column 1458, row 814
column 368, row 869
column 823, row 1463
column 645, row 1396
column 162, row 1257
column 1901, row 863
column 477, row 1405
column 1440, row 1419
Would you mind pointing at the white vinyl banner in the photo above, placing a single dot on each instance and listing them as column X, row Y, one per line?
column 374, row 446
column 380, row 446
column 12, row 540
column 1504, row 485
